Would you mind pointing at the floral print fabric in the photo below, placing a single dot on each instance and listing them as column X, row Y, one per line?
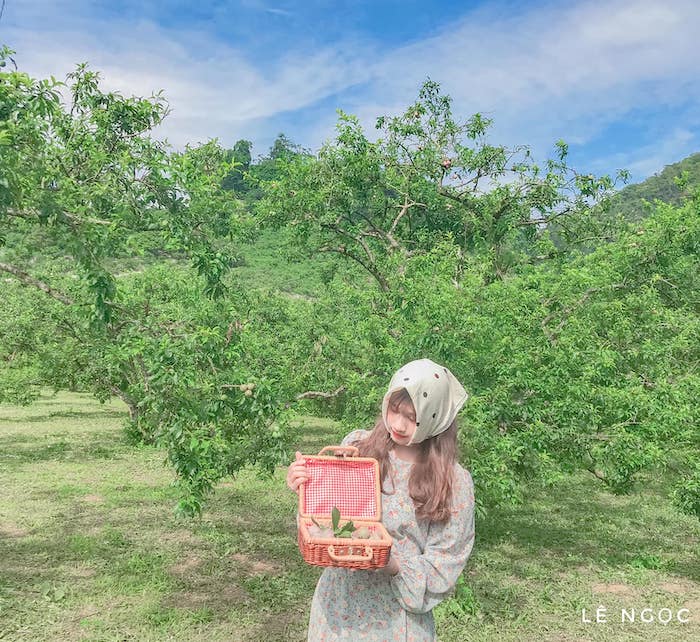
column 372, row 605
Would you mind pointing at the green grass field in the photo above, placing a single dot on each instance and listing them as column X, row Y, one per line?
column 90, row 549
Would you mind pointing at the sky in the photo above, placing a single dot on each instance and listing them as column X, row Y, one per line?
column 618, row 80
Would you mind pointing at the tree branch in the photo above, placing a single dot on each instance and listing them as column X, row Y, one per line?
column 373, row 271
column 545, row 221
column 27, row 279
column 552, row 336
column 357, row 239
column 312, row 394
column 34, row 215
column 404, row 209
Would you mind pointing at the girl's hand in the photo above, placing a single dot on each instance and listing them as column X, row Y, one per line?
column 296, row 473
column 392, row 567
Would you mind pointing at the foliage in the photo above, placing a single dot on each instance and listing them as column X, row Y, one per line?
column 671, row 185
column 574, row 359
column 29, row 339
column 583, row 360
column 240, row 156
column 591, row 365
column 340, row 531
column 89, row 172
column 172, row 356
column 89, row 176
column 271, row 166
column 426, row 177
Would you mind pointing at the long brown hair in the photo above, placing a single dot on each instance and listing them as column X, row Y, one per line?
column 432, row 475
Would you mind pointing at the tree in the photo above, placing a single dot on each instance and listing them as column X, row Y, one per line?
column 269, row 167
column 240, row 156
column 92, row 176
column 574, row 360
column 283, row 148
column 547, row 338
column 89, row 177
column 428, row 176
column 587, row 365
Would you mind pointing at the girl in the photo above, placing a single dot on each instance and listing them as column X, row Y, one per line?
column 427, row 507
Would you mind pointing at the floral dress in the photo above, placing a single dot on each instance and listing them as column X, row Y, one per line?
column 372, row 605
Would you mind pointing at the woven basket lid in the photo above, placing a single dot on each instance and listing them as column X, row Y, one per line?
column 349, row 483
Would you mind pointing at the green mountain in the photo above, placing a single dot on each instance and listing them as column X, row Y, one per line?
column 630, row 201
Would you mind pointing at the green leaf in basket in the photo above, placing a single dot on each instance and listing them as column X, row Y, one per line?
column 335, row 517
column 317, row 524
column 346, row 529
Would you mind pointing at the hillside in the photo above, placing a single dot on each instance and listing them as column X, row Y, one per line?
column 630, row 201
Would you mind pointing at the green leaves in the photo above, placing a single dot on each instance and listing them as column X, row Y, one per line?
column 88, row 181
column 573, row 360
column 91, row 173
column 429, row 175
column 335, row 518
column 345, row 530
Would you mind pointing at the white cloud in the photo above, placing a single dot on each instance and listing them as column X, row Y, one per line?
column 549, row 71
column 213, row 90
column 651, row 159
column 502, row 62
column 560, row 71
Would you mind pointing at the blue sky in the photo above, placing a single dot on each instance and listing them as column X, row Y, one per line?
column 617, row 79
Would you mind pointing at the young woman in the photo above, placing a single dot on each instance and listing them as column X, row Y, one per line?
column 427, row 507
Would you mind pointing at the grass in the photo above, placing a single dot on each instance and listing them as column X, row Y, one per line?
column 90, row 549
column 263, row 266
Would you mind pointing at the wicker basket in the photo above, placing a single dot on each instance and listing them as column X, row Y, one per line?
column 352, row 484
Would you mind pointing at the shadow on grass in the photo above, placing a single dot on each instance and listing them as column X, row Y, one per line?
column 225, row 562
column 69, row 447
column 62, row 414
column 314, row 433
column 243, row 557
column 84, row 535
column 98, row 414
column 577, row 523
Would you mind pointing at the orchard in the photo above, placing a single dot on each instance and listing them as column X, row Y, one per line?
column 576, row 331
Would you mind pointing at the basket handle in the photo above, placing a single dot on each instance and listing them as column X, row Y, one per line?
column 350, row 558
column 344, row 450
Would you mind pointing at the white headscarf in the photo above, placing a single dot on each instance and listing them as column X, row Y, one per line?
column 436, row 394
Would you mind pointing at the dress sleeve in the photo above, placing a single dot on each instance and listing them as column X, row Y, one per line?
column 423, row 581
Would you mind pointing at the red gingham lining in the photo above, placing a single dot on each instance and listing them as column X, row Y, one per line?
column 348, row 484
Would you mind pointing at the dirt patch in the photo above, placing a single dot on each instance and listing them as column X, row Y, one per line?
column 10, row 530
column 197, row 598
column 289, row 625
column 189, row 600
column 186, row 566
column 233, row 595
column 617, row 589
column 93, row 499
column 181, row 536
column 89, row 610
column 679, row 588
column 83, row 572
column 693, row 607
column 254, row 566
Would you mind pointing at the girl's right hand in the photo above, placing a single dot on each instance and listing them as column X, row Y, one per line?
column 296, row 473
